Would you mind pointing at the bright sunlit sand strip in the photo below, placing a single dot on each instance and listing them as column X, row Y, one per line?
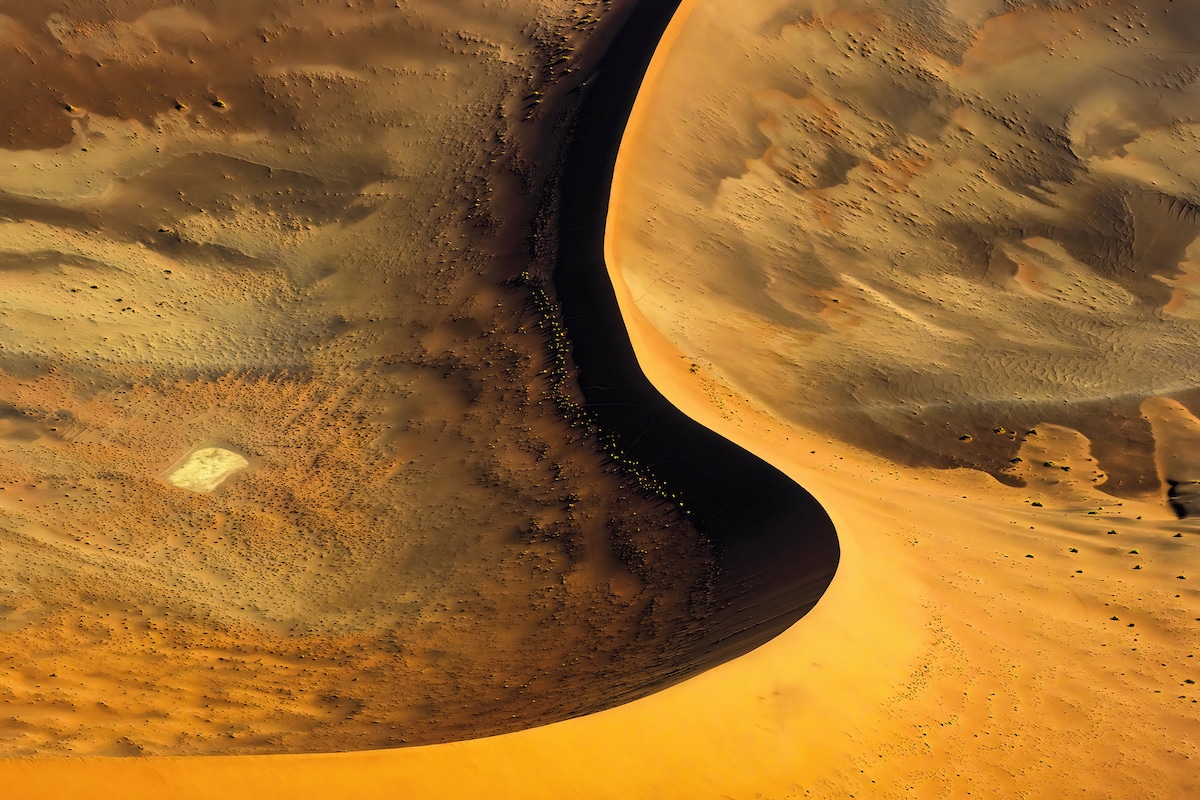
column 204, row 470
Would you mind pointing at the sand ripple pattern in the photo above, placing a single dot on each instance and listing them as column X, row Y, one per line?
column 285, row 232
column 909, row 224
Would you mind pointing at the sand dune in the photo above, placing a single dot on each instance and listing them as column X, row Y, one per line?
column 946, row 236
column 287, row 235
column 865, row 241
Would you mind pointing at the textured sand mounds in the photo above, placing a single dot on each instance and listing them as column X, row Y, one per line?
column 919, row 225
column 1177, row 452
column 290, row 234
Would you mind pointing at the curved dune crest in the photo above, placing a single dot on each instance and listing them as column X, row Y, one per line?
column 776, row 549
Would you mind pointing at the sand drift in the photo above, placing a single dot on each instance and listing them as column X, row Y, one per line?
column 300, row 449
column 776, row 547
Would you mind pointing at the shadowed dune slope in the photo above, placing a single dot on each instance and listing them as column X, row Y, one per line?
column 776, row 547
column 282, row 468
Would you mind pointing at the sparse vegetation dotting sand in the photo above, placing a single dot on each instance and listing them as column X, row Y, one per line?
column 306, row 264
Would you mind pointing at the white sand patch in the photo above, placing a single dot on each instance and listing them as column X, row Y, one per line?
column 206, row 469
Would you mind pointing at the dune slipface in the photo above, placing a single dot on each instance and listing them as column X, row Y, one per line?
column 777, row 549
column 303, row 232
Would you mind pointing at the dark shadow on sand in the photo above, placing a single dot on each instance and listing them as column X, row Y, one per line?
column 777, row 549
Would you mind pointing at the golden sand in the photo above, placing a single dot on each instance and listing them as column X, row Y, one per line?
column 1015, row 629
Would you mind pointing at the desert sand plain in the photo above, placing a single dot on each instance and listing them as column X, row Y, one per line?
column 933, row 260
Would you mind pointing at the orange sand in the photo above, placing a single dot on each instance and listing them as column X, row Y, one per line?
column 971, row 643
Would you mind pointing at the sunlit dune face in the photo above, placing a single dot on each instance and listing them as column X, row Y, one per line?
column 204, row 470
column 923, row 223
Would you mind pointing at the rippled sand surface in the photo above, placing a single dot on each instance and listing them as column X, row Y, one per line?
column 280, row 466
column 928, row 229
column 885, row 239
column 932, row 259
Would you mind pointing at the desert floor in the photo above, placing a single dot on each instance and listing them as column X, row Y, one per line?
column 933, row 261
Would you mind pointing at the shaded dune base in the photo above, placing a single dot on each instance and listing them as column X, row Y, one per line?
column 776, row 547
column 305, row 255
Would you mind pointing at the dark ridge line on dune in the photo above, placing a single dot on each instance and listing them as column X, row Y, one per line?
column 776, row 547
